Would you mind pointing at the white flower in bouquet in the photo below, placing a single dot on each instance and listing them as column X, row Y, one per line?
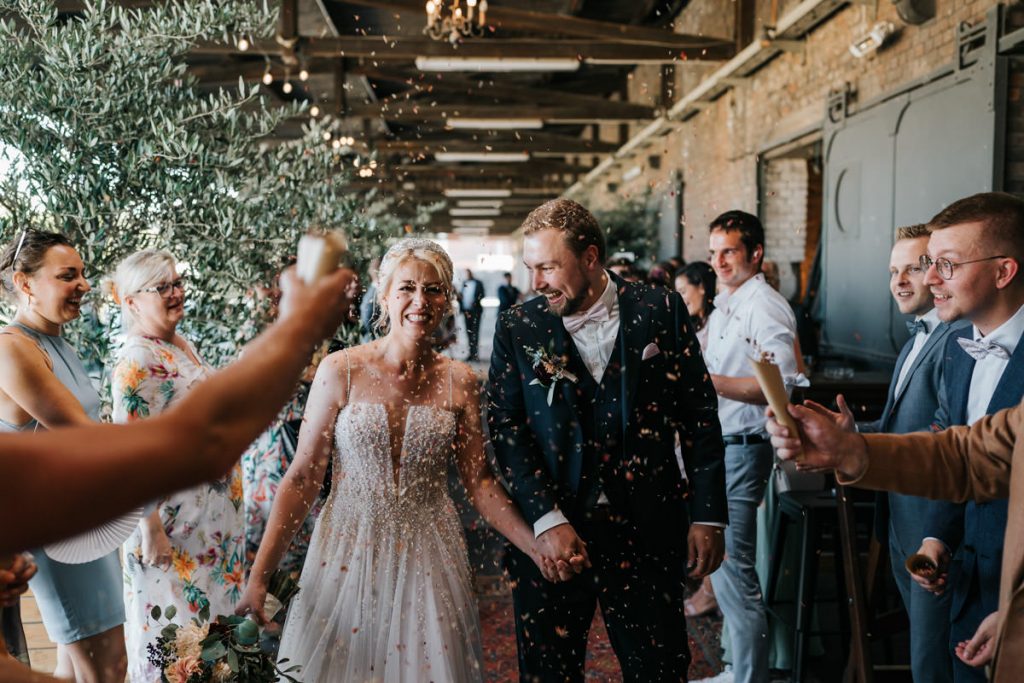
column 221, row 673
column 188, row 641
column 182, row 669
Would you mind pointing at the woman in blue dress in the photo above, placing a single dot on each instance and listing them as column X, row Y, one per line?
column 43, row 385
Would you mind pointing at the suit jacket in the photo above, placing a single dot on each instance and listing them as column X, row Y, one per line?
column 975, row 527
column 912, row 409
column 478, row 295
column 543, row 449
column 984, row 462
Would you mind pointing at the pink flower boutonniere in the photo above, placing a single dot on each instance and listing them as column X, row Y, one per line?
column 549, row 370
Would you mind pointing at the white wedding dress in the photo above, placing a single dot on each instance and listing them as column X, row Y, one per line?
column 385, row 594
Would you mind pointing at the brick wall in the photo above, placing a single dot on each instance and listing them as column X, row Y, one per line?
column 716, row 151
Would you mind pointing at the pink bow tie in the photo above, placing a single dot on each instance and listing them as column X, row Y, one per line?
column 597, row 313
column 981, row 348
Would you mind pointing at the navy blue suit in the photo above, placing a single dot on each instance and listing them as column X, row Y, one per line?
column 913, row 410
column 613, row 434
column 973, row 531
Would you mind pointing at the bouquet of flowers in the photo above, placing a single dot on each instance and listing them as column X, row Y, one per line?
column 225, row 649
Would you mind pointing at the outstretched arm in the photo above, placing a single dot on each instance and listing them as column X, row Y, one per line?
column 302, row 482
column 486, row 494
column 198, row 440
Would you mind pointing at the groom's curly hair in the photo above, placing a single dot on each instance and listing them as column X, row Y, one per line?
column 578, row 225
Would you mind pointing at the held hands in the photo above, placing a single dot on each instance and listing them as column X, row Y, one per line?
column 706, row 547
column 253, row 598
column 560, row 553
column 980, row 649
column 937, row 552
column 824, row 441
column 14, row 579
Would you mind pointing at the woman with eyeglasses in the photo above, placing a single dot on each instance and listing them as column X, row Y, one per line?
column 189, row 549
column 43, row 385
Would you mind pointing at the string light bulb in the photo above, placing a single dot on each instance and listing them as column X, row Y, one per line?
column 304, row 74
column 268, row 77
column 314, row 111
column 287, row 87
column 243, row 44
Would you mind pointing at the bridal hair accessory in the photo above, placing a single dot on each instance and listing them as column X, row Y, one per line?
column 549, row 370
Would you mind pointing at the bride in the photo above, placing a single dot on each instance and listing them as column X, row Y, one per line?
column 386, row 592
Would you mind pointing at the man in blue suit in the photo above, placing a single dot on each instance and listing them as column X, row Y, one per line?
column 973, row 268
column 910, row 407
column 590, row 384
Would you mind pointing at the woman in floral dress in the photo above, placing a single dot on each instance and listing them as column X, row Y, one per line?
column 189, row 551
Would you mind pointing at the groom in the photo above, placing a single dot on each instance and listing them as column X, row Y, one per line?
column 589, row 385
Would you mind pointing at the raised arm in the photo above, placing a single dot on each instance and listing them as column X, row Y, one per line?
column 197, row 440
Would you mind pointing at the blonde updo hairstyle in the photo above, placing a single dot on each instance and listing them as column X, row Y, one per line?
column 140, row 270
column 401, row 251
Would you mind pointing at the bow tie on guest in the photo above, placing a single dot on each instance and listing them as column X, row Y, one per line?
column 915, row 326
column 598, row 313
column 980, row 349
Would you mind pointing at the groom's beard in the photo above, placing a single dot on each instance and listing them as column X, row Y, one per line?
column 569, row 306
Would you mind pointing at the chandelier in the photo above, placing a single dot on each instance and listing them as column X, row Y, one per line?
column 451, row 23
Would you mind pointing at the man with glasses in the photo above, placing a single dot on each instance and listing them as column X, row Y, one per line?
column 973, row 267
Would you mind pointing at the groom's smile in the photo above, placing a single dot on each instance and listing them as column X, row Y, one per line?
column 567, row 281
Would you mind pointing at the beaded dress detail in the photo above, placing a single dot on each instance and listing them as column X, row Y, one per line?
column 385, row 594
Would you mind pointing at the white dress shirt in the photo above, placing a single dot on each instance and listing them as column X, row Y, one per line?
column 752, row 320
column 989, row 370
column 931, row 321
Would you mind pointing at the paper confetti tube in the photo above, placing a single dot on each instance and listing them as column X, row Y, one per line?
column 774, row 389
column 320, row 254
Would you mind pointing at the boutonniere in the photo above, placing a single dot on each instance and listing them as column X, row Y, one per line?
column 549, row 370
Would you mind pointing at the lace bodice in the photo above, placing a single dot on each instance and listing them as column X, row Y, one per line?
column 364, row 473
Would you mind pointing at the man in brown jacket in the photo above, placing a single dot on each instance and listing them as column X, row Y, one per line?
column 960, row 463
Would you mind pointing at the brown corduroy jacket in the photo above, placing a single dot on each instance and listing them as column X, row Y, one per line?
column 982, row 462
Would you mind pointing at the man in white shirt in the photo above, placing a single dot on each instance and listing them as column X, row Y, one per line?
column 750, row 320
column 590, row 384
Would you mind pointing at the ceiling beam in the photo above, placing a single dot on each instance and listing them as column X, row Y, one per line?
column 428, row 83
column 566, row 25
column 532, row 167
column 414, row 111
column 407, row 49
column 560, row 147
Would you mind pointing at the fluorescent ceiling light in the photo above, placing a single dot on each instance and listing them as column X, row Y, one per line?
column 477, row 192
column 495, row 64
column 477, row 223
column 471, row 232
column 494, row 124
column 486, row 157
column 474, row 212
column 480, row 203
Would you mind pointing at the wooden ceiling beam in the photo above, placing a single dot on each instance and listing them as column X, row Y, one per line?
column 449, row 84
column 415, row 111
column 405, row 49
column 565, row 147
column 566, row 25
column 532, row 167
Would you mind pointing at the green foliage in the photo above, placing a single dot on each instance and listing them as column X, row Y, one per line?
column 118, row 147
column 632, row 226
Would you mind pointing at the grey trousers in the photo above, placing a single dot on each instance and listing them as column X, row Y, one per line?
column 737, row 588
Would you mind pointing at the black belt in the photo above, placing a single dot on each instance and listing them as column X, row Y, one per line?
column 744, row 439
